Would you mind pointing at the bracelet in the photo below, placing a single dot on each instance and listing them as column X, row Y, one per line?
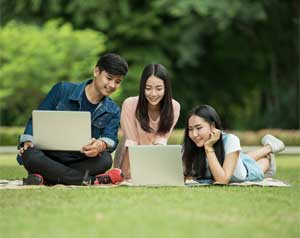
column 209, row 150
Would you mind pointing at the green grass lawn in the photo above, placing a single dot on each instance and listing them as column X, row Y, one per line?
column 152, row 212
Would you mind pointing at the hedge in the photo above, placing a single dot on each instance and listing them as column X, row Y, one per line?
column 10, row 135
column 250, row 138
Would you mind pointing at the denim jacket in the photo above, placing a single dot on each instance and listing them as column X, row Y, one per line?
column 66, row 96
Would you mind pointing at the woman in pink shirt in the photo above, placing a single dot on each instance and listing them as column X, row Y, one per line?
column 149, row 118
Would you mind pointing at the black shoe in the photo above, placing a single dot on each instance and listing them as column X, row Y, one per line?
column 33, row 179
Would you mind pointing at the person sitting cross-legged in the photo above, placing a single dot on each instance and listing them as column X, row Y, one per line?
column 89, row 165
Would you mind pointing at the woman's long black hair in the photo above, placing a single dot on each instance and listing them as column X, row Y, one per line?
column 166, row 105
column 194, row 157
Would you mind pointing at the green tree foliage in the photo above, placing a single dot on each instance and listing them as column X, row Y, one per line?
column 33, row 58
column 242, row 57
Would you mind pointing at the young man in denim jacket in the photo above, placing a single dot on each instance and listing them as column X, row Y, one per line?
column 87, row 166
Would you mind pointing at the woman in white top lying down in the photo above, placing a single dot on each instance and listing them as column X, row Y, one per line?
column 209, row 153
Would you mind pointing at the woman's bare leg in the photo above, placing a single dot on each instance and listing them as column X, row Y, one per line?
column 264, row 163
column 261, row 153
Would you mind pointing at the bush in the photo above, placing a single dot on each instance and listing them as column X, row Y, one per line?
column 289, row 137
column 10, row 136
column 34, row 58
column 250, row 138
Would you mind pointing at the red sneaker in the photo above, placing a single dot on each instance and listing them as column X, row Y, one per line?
column 112, row 176
column 33, row 179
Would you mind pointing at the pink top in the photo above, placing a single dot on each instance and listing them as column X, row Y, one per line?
column 133, row 132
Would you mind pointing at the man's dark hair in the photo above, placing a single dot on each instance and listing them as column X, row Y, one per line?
column 113, row 64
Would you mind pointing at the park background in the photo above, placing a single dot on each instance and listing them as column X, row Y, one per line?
column 240, row 56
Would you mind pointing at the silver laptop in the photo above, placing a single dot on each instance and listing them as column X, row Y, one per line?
column 61, row 130
column 156, row 165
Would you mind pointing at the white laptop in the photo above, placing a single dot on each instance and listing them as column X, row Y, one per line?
column 156, row 165
column 61, row 130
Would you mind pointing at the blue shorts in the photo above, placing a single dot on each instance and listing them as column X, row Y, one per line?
column 254, row 171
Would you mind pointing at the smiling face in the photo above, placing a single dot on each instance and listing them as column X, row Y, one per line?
column 154, row 90
column 105, row 83
column 199, row 130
